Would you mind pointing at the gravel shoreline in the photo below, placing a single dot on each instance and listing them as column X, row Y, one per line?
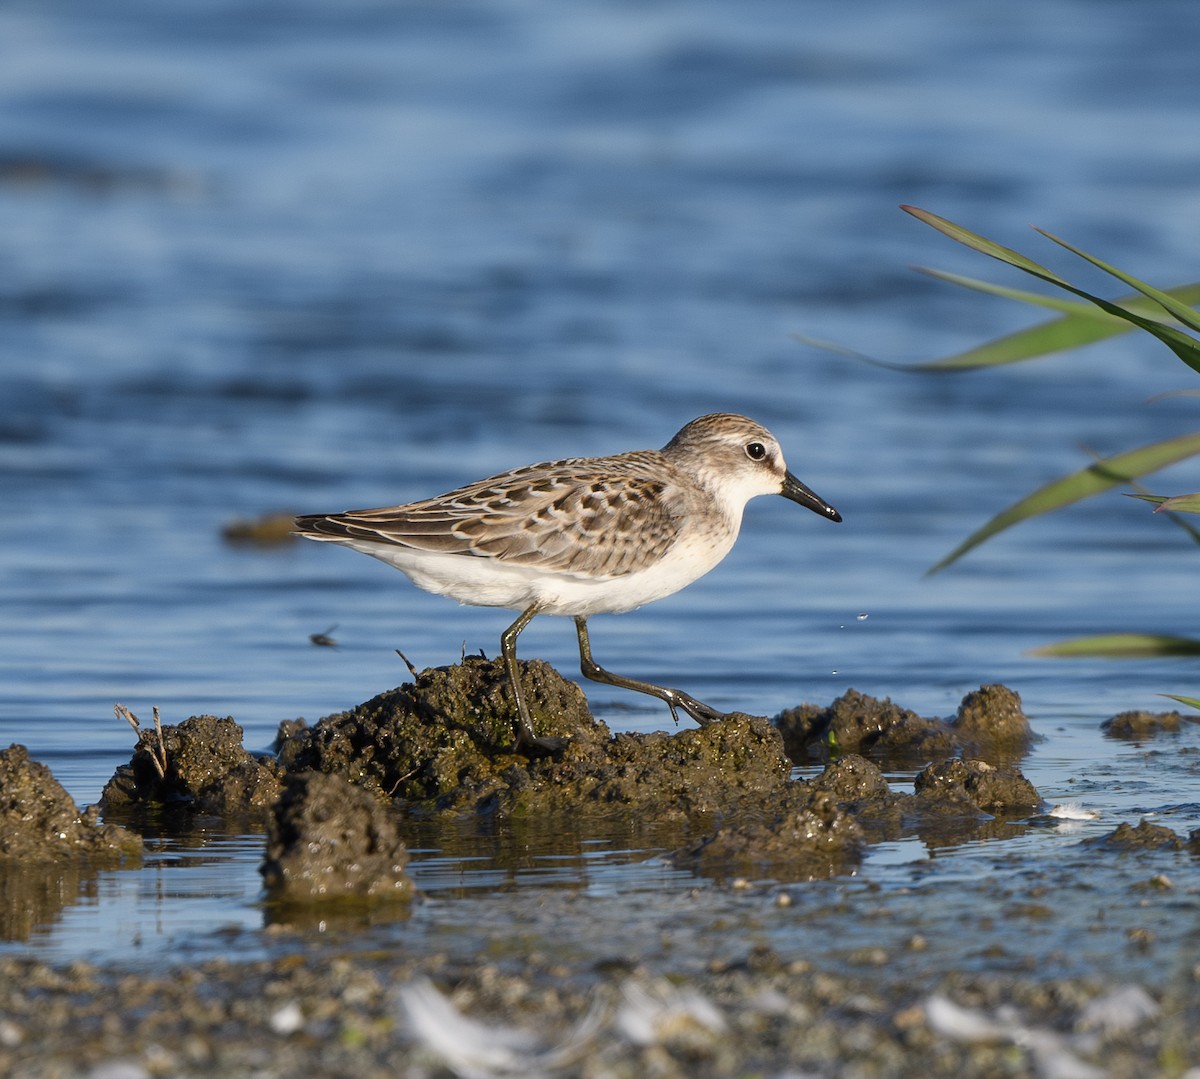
column 344, row 1014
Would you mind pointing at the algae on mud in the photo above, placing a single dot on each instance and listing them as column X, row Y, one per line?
column 445, row 743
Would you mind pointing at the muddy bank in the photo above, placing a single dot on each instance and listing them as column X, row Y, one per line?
column 336, row 796
column 341, row 799
column 683, row 981
column 445, row 743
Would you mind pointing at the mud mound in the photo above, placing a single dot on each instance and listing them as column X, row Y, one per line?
column 990, row 720
column 718, row 768
column 1145, row 836
column 989, row 724
column 445, row 742
column 329, row 840
column 956, row 784
column 206, row 770
column 39, row 822
column 448, row 738
column 811, row 835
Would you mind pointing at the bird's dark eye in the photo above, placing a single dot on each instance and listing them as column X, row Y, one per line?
column 756, row 451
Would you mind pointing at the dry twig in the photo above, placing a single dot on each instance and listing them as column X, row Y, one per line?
column 155, row 747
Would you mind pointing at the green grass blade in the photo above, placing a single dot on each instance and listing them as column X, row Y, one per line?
column 1185, row 347
column 1168, row 303
column 985, row 246
column 1082, row 324
column 1180, row 504
column 1097, row 477
column 1191, row 702
column 1159, row 500
column 1036, row 299
column 1120, row 646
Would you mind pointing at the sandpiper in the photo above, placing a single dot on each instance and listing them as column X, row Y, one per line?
column 582, row 536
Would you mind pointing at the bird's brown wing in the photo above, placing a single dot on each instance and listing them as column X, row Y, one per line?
column 592, row 517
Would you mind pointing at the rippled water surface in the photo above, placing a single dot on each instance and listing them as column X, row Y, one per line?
column 302, row 257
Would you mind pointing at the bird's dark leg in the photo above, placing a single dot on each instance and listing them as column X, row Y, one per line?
column 508, row 648
column 699, row 711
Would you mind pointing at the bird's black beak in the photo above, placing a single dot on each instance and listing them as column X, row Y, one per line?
column 797, row 492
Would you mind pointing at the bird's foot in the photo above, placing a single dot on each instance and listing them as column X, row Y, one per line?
column 537, row 745
column 698, row 710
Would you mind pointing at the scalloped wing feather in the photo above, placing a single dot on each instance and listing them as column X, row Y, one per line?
column 595, row 518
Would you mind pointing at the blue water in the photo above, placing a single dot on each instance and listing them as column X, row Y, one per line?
column 308, row 256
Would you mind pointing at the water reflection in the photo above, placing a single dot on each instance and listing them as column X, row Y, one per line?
column 34, row 895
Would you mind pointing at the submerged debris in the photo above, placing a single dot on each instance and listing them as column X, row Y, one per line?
column 473, row 1048
column 1052, row 1053
column 1137, row 726
column 269, row 530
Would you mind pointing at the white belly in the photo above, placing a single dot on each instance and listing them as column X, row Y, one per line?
column 486, row 582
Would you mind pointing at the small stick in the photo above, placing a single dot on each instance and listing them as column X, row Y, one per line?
column 161, row 760
column 411, row 669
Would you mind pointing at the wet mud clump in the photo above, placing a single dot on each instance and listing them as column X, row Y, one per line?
column 955, row 784
column 329, row 840
column 857, row 723
column 1143, row 836
column 206, row 770
column 811, row 835
column 726, row 766
column 822, row 826
column 990, row 724
column 39, row 821
column 991, row 721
